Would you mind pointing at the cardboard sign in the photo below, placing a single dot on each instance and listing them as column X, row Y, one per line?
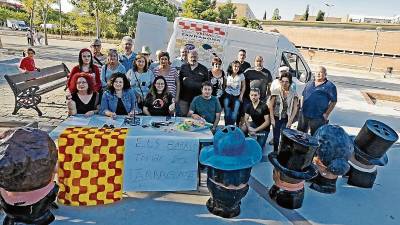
column 160, row 163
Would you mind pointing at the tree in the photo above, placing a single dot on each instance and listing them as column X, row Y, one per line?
column 156, row 7
column 29, row 6
column 226, row 12
column 194, row 8
column 320, row 16
column 97, row 7
column 265, row 15
column 44, row 6
column 254, row 24
column 306, row 14
column 275, row 15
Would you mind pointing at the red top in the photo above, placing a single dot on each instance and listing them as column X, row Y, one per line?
column 95, row 75
column 27, row 64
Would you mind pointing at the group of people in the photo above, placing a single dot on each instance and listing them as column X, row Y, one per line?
column 128, row 83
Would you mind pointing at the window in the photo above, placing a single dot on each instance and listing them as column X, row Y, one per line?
column 296, row 66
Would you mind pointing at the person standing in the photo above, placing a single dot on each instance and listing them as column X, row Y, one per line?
column 128, row 56
column 217, row 79
column 182, row 59
column 319, row 98
column 283, row 107
column 112, row 66
column 27, row 63
column 140, row 78
column 86, row 65
column 259, row 113
column 206, row 106
column 234, row 91
column 29, row 37
column 241, row 57
column 192, row 76
column 99, row 59
column 169, row 73
column 257, row 77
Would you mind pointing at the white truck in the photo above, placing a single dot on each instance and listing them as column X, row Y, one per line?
column 223, row 40
column 17, row 25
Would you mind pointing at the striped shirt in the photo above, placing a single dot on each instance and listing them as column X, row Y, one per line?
column 170, row 78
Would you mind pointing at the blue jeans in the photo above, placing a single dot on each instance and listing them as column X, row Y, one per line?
column 261, row 136
column 279, row 125
column 231, row 108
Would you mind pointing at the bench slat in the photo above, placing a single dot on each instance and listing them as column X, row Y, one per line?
column 41, row 80
column 50, row 88
column 21, row 77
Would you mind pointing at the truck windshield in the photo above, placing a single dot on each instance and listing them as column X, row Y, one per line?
column 296, row 66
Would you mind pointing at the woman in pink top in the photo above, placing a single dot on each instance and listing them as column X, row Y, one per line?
column 169, row 73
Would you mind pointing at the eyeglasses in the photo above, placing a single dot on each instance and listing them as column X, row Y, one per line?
column 216, row 64
column 81, row 82
column 160, row 84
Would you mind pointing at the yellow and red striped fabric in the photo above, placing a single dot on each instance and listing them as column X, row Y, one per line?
column 90, row 162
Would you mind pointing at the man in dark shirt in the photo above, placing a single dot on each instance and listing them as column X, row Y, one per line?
column 243, row 64
column 191, row 76
column 259, row 113
column 318, row 100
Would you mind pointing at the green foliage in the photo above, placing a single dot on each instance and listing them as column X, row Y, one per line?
column 306, row 14
column 157, row 7
column 320, row 16
column 6, row 13
column 226, row 12
column 209, row 15
column 194, row 8
column 254, row 24
column 275, row 15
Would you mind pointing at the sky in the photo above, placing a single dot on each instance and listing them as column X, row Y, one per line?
column 288, row 8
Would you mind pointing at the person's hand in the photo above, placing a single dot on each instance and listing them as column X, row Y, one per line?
column 38, row 69
column 89, row 113
column 289, row 124
column 113, row 115
column 171, row 107
column 325, row 116
column 241, row 99
column 213, row 129
column 272, row 121
column 252, row 133
column 196, row 117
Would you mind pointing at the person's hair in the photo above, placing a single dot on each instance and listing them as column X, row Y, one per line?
column 255, row 90
column 242, row 50
column 323, row 68
column 230, row 69
column 30, row 50
column 216, row 60
column 91, row 65
column 88, row 79
column 112, row 51
column 146, row 66
column 114, row 76
column 206, row 83
column 126, row 39
column 153, row 89
column 183, row 48
column 194, row 51
column 259, row 57
column 162, row 54
column 287, row 75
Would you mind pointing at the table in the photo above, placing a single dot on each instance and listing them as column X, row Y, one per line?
column 96, row 165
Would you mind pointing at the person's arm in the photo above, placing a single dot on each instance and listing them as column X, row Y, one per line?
column 146, row 111
column 71, row 107
column 331, row 106
column 217, row 118
column 294, row 112
column 97, row 77
column 242, row 90
column 178, row 88
column 263, row 125
column 104, row 108
column 271, row 108
column 103, row 76
column 246, row 123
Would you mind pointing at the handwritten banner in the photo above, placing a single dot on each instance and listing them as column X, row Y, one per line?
column 160, row 163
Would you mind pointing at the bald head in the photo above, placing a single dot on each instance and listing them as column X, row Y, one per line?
column 321, row 74
column 192, row 57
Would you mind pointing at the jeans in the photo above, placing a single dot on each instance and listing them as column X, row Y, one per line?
column 261, row 136
column 306, row 123
column 231, row 113
column 183, row 108
column 279, row 125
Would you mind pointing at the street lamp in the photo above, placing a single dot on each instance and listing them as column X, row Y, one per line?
column 329, row 8
column 378, row 29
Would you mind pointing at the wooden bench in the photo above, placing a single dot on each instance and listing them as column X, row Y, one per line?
column 28, row 87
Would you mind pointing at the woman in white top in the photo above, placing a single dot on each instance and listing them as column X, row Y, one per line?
column 140, row 78
column 112, row 66
column 235, row 88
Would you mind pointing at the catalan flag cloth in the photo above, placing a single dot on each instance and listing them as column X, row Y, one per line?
column 90, row 162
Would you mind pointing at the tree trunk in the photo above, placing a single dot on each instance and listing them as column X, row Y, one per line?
column 61, row 33
column 97, row 23
column 31, row 24
column 45, row 24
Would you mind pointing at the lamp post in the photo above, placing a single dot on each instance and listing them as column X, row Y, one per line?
column 329, row 9
column 378, row 29
column 59, row 4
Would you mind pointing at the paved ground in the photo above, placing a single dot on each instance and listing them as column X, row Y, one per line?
column 348, row 206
